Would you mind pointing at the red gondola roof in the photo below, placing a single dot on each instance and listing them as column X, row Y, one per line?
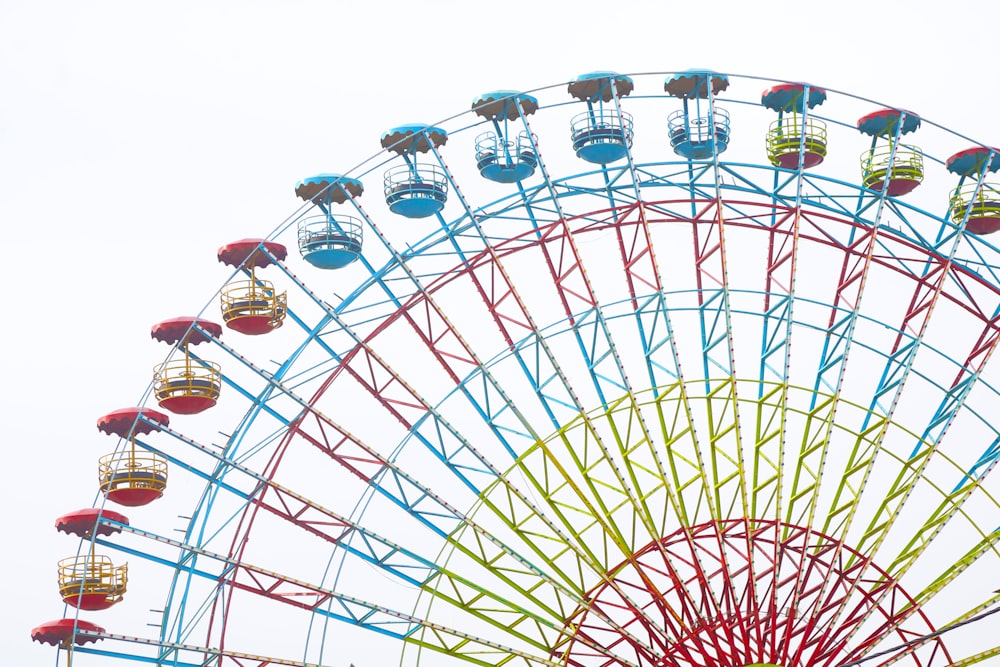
column 120, row 421
column 56, row 632
column 175, row 330
column 81, row 522
column 237, row 253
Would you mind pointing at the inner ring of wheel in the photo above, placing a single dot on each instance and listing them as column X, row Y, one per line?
column 716, row 589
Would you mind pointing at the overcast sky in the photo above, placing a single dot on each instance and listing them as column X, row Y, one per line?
column 137, row 137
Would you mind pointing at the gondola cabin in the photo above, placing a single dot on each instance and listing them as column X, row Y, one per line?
column 505, row 154
column 252, row 306
column 189, row 385
column 796, row 138
column 603, row 133
column 700, row 129
column 132, row 477
column 329, row 240
column 975, row 202
column 92, row 583
column 415, row 189
column 891, row 167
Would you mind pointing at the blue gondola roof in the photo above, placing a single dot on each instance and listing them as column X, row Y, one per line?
column 975, row 160
column 693, row 83
column 501, row 104
column 594, row 85
column 320, row 188
column 791, row 97
column 884, row 122
column 415, row 137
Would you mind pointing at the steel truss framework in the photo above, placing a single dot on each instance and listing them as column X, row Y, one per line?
column 568, row 427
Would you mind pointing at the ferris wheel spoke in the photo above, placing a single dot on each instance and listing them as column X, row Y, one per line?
column 288, row 505
column 898, row 367
column 565, row 267
column 657, row 335
column 711, row 264
column 779, row 299
column 860, row 246
column 950, row 507
column 322, row 522
column 987, row 543
column 725, row 463
column 642, row 271
column 183, row 655
column 899, row 363
column 805, row 490
column 842, row 321
column 523, row 625
column 773, row 420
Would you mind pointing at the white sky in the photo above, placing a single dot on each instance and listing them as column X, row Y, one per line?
column 136, row 137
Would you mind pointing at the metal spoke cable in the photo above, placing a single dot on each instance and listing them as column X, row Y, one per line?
column 921, row 639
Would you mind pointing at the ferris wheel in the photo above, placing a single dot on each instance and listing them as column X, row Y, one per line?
column 648, row 371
